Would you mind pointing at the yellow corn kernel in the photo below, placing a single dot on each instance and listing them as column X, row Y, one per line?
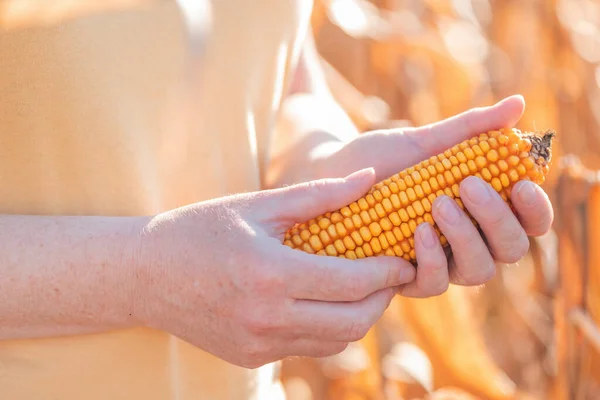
column 375, row 245
column 356, row 238
column 398, row 234
column 391, row 238
column 349, row 244
column 368, row 250
column 384, row 220
column 325, row 238
column 359, row 252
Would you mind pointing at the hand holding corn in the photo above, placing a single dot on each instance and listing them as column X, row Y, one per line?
column 458, row 175
column 215, row 274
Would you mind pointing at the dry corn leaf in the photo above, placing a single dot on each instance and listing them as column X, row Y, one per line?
column 574, row 358
column 547, row 51
column 444, row 328
column 355, row 373
column 407, row 371
column 451, row 393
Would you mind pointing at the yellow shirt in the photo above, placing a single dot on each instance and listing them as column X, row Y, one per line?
column 105, row 111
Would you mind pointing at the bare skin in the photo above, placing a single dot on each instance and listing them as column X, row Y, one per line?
column 213, row 273
column 473, row 262
column 272, row 301
column 329, row 146
column 216, row 274
column 219, row 266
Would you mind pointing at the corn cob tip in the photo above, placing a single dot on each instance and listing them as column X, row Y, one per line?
column 384, row 220
column 541, row 144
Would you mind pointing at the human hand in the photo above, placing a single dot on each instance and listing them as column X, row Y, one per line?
column 217, row 275
column 473, row 257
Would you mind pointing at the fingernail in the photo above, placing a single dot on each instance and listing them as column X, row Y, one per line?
column 448, row 210
column 526, row 193
column 427, row 235
column 360, row 174
column 476, row 190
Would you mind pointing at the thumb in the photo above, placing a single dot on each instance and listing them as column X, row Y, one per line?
column 436, row 138
column 304, row 201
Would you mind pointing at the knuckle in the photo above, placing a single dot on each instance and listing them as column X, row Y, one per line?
column 256, row 326
column 440, row 288
column 487, row 275
column 436, row 289
column 257, row 322
column 389, row 276
column 250, row 363
column 475, row 276
column 262, row 320
column 255, row 351
column 436, row 280
column 358, row 330
column 473, row 265
column 517, row 249
column 246, row 362
column 338, row 347
column 458, row 278
column 334, row 349
column 329, row 350
column 393, row 274
column 483, row 275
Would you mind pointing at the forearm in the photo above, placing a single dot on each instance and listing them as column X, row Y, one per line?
column 66, row 275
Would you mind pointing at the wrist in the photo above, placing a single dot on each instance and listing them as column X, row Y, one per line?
column 156, row 250
column 137, row 248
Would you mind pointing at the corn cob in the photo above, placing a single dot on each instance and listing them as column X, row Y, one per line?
column 384, row 220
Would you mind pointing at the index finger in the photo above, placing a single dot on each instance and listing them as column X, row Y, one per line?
column 329, row 278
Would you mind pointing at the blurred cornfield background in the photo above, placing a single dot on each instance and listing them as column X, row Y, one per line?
column 531, row 333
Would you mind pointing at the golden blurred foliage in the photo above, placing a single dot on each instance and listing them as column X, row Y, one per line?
column 532, row 332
